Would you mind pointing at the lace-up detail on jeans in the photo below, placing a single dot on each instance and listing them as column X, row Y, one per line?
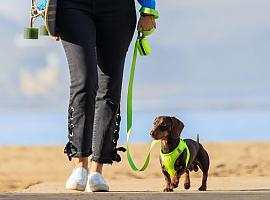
column 116, row 156
column 70, row 149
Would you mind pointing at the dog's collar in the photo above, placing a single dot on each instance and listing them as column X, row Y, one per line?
column 168, row 160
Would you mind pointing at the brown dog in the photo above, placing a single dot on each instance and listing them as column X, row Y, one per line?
column 190, row 154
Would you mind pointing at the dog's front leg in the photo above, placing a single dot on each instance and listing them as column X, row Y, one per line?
column 187, row 180
column 168, row 187
column 175, row 180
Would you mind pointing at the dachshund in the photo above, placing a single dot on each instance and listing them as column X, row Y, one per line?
column 189, row 154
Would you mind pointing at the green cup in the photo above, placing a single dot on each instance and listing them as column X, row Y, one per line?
column 31, row 33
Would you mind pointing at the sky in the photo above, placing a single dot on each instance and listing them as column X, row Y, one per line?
column 206, row 54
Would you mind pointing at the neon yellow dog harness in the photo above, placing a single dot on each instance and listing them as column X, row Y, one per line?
column 169, row 159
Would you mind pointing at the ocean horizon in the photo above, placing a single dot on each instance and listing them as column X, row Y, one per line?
column 50, row 128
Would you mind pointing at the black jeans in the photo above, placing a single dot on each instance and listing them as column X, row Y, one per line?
column 95, row 35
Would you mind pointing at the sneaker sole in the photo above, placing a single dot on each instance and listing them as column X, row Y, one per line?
column 76, row 187
column 99, row 188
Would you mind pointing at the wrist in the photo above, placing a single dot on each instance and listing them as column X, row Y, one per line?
column 149, row 12
column 145, row 14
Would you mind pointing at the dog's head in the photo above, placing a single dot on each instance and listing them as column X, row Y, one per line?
column 165, row 127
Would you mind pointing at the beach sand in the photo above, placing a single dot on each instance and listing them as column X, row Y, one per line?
column 37, row 169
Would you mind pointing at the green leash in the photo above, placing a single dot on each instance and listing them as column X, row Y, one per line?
column 144, row 49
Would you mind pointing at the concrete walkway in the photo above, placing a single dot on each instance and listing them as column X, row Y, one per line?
column 242, row 188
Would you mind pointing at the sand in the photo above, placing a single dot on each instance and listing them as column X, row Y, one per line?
column 37, row 169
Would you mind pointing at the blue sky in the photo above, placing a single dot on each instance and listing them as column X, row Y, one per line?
column 211, row 54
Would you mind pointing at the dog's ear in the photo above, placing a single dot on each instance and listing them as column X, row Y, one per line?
column 177, row 127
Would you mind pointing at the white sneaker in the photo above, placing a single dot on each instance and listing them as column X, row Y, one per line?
column 78, row 179
column 96, row 183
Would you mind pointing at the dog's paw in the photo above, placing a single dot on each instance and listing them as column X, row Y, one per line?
column 202, row 188
column 168, row 189
column 187, row 186
column 175, row 184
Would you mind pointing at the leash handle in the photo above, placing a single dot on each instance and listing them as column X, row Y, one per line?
column 129, row 117
column 142, row 45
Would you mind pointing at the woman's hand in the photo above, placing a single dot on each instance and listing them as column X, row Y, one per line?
column 56, row 38
column 146, row 23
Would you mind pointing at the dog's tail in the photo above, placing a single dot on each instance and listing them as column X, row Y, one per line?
column 198, row 139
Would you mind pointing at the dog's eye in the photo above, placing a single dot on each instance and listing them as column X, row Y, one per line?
column 162, row 125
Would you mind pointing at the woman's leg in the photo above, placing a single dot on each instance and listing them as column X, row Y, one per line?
column 78, row 34
column 81, row 162
column 115, row 25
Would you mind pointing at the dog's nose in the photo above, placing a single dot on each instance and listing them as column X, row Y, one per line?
column 152, row 133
